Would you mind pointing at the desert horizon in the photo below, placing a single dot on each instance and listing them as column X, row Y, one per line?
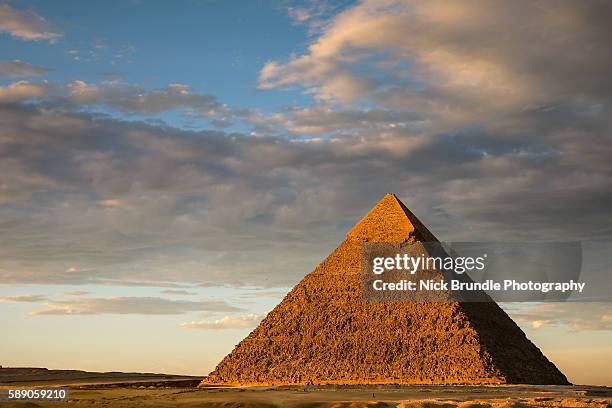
column 144, row 390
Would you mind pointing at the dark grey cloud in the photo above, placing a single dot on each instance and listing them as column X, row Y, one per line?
column 117, row 96
column 511, row 102
column 112, row 75
column 94, row 200
column 135, row 99
column 484, row 132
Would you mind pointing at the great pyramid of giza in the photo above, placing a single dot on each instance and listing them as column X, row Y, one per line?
column 324, row 332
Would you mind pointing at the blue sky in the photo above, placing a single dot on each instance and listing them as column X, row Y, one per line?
column 178, row 167
column 215, row 47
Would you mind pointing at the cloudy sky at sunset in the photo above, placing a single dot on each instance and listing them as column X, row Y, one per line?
column 169, row 170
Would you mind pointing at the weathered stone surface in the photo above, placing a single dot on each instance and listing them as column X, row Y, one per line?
column 323, row 332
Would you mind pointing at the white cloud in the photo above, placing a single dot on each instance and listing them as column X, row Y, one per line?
column 299, row 15
column 576, row 316
column 26, row 25
column 21, row 91
column 118, row 305
column 227, row 322
column 313, row 13
column 129, row 305
column 24, row 298
column 178, row 292
column 75, row 293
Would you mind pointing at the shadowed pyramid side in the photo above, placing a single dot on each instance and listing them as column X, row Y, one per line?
column 324, row 332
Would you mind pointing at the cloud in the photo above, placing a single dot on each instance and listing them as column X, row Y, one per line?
column 134, row 99
column 511, row 146
column 299, row 15
column 327, row 119
column 112, row 202
column 75, row 270
column 120, row 305
column 576, row 316
column 179, row 292
column 313, row 13
column 449, row 58
column 118, row 96
column 227, row 322
column 131, row 99
column 266, row 293
column 26, row 25
column 75, row 293
column 111, row 75
column 21, row 91
column 24, row 298
column 129, row 203
column 20, row 69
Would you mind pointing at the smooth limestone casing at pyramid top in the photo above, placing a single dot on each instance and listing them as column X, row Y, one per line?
column 324, row 332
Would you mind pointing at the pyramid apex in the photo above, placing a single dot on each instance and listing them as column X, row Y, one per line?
column 390, row 221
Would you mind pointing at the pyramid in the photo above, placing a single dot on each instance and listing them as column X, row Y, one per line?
column 324, row 332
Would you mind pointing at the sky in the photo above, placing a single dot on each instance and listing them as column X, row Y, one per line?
column 169, row 171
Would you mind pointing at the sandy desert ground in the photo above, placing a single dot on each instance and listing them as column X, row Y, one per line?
column 181, row 392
